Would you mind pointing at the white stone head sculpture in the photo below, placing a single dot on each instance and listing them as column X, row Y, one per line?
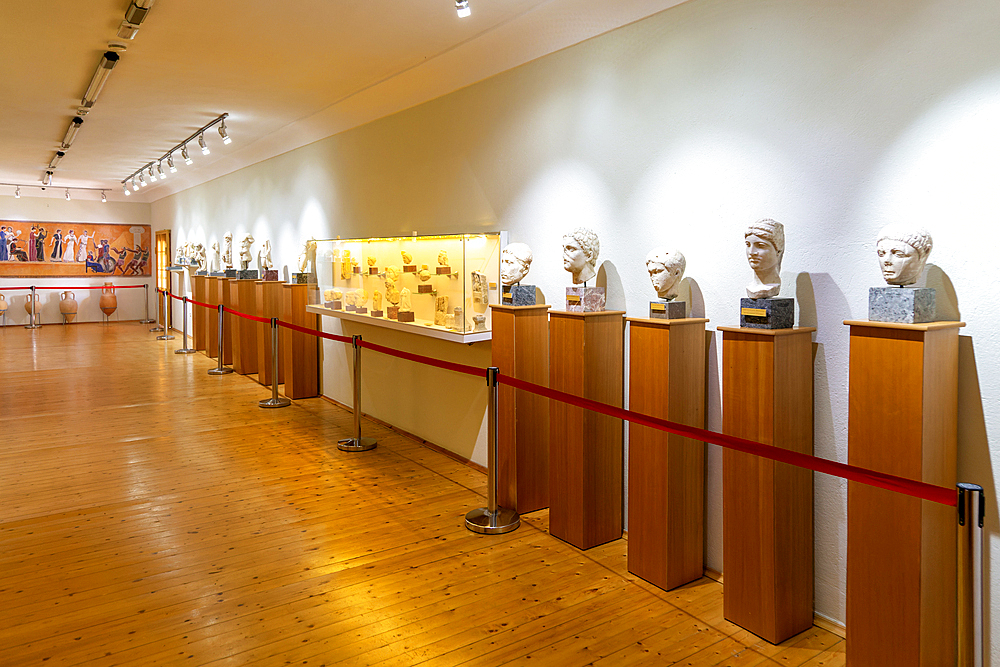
column 902, row 253
column 765, row 246
column 580, row 250
column 666, row 268
column 515, row 262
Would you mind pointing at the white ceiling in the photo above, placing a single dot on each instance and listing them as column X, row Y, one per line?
column 288, row 73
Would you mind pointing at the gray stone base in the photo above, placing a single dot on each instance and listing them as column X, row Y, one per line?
column 777, row 313
column 201, row 273
column 218, row 274
column 302, row 278
column 518, row 295
column 248, row 274
column 585, row 299
column 907, row 305
column 232, row 273
column 667, row 310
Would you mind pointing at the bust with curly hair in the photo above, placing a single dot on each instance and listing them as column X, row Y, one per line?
column 580, row 249
column 902, row 253
column 765, row 246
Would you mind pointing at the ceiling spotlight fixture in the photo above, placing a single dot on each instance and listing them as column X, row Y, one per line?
column 17, row 192
column 108, row 62
column 47, row 178
column 125, row 189
column 170, row 164
column 225, row 135
column 142, row 181
column 462, row 7
column 74, row 127
column 185, row 155
column 134, row 16
column 104, row 197
column 55, row 160
column 155, row 169
column 152, row 176
column 159, row 170
column 204, row 146
column 135, row 186
column 67, row 194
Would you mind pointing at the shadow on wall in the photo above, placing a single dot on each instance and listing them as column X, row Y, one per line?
column 945, row 297
column 694, row 296
column 974, row 464
column 806, row 300
column 608, row 278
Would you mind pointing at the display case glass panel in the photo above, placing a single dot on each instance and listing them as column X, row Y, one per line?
column 441, row 286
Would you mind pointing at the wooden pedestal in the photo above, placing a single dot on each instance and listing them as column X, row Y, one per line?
column 767, row 511
column 666, row 472
column 585, row 447
column 199, row 315
column 268, row 305
column 243, row 294
column 521, row 350
column 218, row 292
column 901, row 551
column 301, row 351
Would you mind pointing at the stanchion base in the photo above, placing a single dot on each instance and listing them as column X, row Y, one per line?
column 482, row 521
column 357, row 444
column 165, row 337
column 156, row 329
column 279, row 402
column 146, row 321
column 220, row 371
column 32, row 326
column 185, row 350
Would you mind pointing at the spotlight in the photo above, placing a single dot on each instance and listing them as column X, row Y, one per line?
column 67, row 194
column 204, row 146
column 47, row 178
column 74, row 127
column 125, row 188
column 104, row 197
column 170, row 164
column 108, row 62
column 135, row 186
column 55, row 160
column 152, row 176
column 185, row 155
column 17, row 192
column 225, row 135
column 142, row 181
column 159, row 170
column 462, row 7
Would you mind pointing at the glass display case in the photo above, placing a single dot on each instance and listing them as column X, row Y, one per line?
column 439, row 286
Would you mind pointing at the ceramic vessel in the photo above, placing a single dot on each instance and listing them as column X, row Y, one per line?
column 27, row 303
column 68, row 305
column 109, row 301
column 3, row 304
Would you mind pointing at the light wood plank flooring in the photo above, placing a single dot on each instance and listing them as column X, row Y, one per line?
column 152, row 514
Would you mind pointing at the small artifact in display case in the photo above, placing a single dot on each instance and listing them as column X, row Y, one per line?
column 392, row 273
column 332, row 299
column 424, row 274
column 350, row 302
column 372, row 269
column 585, row 299
column 449, row 321
column 346, row 265
column 408, row 265
column 480, row 322
column 443, row 267
column 440, row 310
column 391, row 293
column 480, row 288
column 460, row 319
column 902, row 255
column 666, row 269
column 405, row 306
column 765, row 247
column 377, row 301
column 393, row 312
column 360, row 299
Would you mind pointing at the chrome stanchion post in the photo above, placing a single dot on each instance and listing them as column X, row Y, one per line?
column 971, row 509
column 158, row 327
column 492, row 519
column 184, row 333
column 145, row 304
column 166, row 335
column 34, row 316
column 275, row 401
column 357, row 443
column 220, row 370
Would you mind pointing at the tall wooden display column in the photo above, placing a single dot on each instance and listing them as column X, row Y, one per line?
column 585, row 447
column 901, row 551
column 199, row 316
column 666, row 472
column 767, row 510
column 268, row 305
column 301, row 351
column 521, row 350
column 244, row 297
column 218, row 292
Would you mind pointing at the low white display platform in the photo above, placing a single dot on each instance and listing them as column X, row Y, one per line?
column 419, row 327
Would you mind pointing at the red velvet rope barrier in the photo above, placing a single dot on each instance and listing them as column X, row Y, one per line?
column 262, row 320
column 937, row 494
column 77, row 287
column 917, row 489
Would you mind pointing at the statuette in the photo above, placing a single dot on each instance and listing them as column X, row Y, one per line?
column 580, row 250
column 216, row 264
column 391, row 293
column 360, row 297
column 480, row 288
column 902, row 253
column 404, row 299
column 480, row 323
column 392, row 273
column 443, row 258
column 372, row 260
column 264, row 256
column 346, row 265
column 666, row 268
column 765, row 246
column 424, row 273
column 227, row 253
column 198, row 254
column 377, row 300
column 515, row 262
column 440, row 310
column 407, row 257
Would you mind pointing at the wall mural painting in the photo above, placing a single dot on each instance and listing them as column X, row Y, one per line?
column 74, row 249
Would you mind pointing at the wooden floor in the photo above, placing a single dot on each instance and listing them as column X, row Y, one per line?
column 153, row 514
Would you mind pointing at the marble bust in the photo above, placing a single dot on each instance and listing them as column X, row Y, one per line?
column 765, row 246
column 666, row 268
column 580, row 250
column 515, row 262
column 902, row 253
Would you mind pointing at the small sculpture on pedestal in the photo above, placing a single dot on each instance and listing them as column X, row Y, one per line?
column 765, row 247
column 198, row 253
column 360, row 299
column 902, row 255
column 480, row 288
column 391, row 296
column 377, row 304
column 666, row 269
column 405, row 306
column 245, row 258
column 333, row 299
column 216, row 264
column 227, row 254
column 443, row 268
column 515, row 262
column 307, row 262
column 266, row 264
column 440, row 310
column 580, row 251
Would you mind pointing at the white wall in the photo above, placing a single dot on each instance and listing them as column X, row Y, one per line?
column 47, row 209
column 832, row 116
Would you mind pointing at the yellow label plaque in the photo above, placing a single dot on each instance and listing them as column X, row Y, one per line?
column 506, row 294
column 658, row 307
column 572, row 298
column 754, row 312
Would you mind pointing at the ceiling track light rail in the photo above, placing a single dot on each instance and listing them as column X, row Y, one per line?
column 157, row 164
column 47, row 182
